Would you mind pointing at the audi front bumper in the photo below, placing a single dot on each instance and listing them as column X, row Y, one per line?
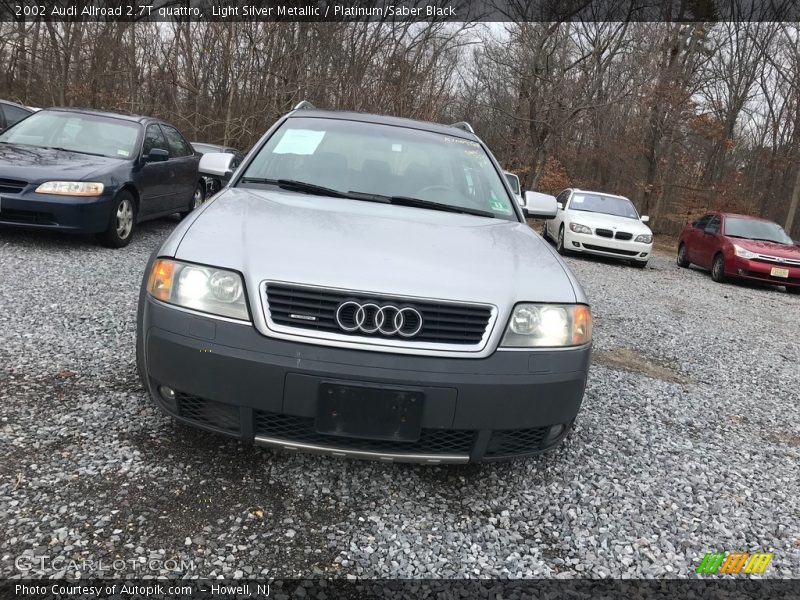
column 229, row 378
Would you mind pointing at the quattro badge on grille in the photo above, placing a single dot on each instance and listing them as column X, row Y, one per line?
column 372, row 318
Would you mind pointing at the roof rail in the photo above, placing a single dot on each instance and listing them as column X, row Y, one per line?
column 304, row 105
column 463, row 125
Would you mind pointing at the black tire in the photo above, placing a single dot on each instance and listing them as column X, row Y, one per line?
column 198, row 197
column 121, row 221
column 718, row 269
column 639, row 264
column 793, row 289
column 681, row 258
column 560, row 248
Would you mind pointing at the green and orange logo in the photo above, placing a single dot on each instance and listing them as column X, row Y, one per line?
column 734, row 563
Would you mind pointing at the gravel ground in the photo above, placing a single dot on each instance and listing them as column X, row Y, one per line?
column 687, row 442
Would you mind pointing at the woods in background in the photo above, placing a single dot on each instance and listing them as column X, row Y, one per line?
column 680, row 117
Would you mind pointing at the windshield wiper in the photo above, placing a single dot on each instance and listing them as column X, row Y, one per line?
column 420, row 203
column 298, row 186
column 75, row 151
column 767, row 240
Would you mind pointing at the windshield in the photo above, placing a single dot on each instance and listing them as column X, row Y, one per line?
column 370, row 158
column 513, row 181
column 88, row 134
column 609, row 205
column 756, row 230
column 205, row 148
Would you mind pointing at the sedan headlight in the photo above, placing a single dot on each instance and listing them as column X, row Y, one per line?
column 207, row 289
column 548, row 325
column 578, row 228
column 71, row 188
column 743, row 252
column 645, row 238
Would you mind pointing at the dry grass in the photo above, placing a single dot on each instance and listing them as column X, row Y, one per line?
column 665, row 245
column 625, row 359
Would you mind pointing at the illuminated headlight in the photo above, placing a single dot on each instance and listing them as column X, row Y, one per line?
column 534, row 325
column 71, row 188
column 207, row 289
column 743, row 252
column 578, row 228
column 645, row 238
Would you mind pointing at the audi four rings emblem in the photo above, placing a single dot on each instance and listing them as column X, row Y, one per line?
column 372, row 318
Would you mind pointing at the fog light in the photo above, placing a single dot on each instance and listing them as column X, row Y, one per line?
column 555, row 432
column 166, row 392
column 576, row 244
column 643, row 254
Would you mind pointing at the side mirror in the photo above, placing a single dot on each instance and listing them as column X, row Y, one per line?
column 157, row 155
column 560, row 205
column 645, row 219
column 540, row 206
column 217, row 164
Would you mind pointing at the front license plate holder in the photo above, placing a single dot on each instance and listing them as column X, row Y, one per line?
column 778, row 272
column 369, row 411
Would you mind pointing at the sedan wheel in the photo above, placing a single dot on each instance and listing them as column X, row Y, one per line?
column 198, row 197
column 718, row 269
column 560, row 243
column 682, row 260
column 121, row 223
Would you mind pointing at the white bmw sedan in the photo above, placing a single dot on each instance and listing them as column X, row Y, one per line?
column 602, row 224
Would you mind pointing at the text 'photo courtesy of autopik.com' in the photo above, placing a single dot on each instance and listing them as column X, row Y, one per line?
column 399, row 299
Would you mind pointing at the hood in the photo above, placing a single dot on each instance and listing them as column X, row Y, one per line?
column 604, row 221
column 32, row 163
column 287, row 236
column 770, row 248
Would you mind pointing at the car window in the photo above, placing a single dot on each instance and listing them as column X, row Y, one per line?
column 513, row 181
column 375, row 158
column 562, row 197
column 713, row 225
column 14, row 114
column 76, row 132
column 153, row 138
column 616, row 206
column 753, row 229
column 177, row 145
column 702, row 222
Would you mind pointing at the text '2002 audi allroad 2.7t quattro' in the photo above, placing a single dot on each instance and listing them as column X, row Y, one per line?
column 367, row 286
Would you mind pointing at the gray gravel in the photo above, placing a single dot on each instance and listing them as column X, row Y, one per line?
column 688, row 442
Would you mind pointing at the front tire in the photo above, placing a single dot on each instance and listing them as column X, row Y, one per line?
column 793, row 289
column 718, row 269
column 681, row 259
column 122, row 221
column 560, row 248
column 198, row 197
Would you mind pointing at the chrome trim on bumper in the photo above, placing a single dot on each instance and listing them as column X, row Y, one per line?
column 431, row 459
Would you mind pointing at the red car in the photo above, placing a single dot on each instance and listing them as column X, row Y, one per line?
column 741, row 247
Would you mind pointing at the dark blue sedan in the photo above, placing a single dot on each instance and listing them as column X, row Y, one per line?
column 94, row 172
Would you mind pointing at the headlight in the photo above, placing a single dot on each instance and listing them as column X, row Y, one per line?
column 578, row 228
column 207, row 289
column 645, row 238
column 548, row 325
column 743, row 252
column 71, row 188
